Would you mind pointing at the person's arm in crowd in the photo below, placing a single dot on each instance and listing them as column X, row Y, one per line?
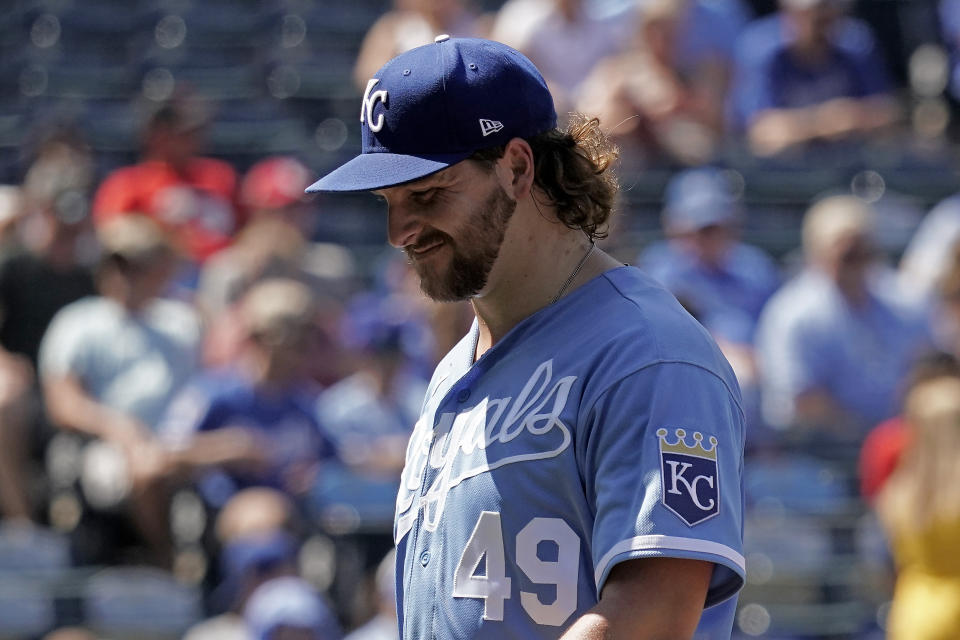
column 230, row 447
column 817, row 409
column 647, row 599
column 72, row 407
column 775, row 130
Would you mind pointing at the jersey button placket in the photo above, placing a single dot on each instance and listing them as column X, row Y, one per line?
column 463, row 395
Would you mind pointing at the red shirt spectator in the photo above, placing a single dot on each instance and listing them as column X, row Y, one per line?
column 192, row 196
column 880, row 454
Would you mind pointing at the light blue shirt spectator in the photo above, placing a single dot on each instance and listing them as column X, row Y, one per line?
column 727, row 298
column 708, row 30
column 810, row 338
column 768, row 76
column 132, row 362
column 724, row 283
column 930, row 250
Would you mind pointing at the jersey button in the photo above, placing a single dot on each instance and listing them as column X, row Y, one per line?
column 463, row 395
column 425, row 558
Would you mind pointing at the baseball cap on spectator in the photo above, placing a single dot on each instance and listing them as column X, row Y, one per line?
column 699, row 198
column 247, row 557
column 291, row 603
column 435, row 105
column 274, row 183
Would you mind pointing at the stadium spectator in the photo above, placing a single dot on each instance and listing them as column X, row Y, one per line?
column 664, row 95
column 46, row 266
column 884, row 445
column 808, row 73
column 412, row 23
column 383, row 625
column 275, row 243
column 111, row 363
column 930, row 251
column 547, row 31
column 289, row 609
column 703, row 263
column 920, row 511
column 371, row 413
column 833, row 347
column 255, row 543
column 191, row 195
column 949, row 14
column 253, row 425
column 723, row 282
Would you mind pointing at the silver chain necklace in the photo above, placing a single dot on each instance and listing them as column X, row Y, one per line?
column 573, row 275
column 583, row 261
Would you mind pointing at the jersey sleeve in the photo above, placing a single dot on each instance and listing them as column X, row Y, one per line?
column 662, row 457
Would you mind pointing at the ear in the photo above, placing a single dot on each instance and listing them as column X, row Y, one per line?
column 515, row 169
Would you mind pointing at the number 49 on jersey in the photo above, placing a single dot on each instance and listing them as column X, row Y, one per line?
column 493, row 586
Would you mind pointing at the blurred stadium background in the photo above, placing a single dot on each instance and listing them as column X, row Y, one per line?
column 277, row 78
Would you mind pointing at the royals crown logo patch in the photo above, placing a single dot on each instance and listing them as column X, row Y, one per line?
column 689, row 476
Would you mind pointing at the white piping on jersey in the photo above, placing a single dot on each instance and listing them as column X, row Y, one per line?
column 674, row 543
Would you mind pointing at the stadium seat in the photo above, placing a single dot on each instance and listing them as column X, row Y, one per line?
column 139, row 602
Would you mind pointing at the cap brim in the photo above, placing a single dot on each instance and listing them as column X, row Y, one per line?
column 371, row 171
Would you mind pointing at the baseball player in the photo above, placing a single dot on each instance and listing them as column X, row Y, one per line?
column 576, row 469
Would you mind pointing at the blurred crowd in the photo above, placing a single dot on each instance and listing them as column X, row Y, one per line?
column 194, row 389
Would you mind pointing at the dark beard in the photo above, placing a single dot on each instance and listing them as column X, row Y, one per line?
column 473, row 254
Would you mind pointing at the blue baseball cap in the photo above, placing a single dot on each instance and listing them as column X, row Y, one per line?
column 289, row 602
column 699, row 198
column 435, row 105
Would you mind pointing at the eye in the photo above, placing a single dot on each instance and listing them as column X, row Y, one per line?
column 423, row 197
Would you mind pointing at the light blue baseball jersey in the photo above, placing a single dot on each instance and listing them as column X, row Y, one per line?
column 602, row 428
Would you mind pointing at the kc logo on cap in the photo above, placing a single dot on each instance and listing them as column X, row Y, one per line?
column 369, row 101
column 420, row 112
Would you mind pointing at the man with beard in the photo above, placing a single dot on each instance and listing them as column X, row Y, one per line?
column 575, row 471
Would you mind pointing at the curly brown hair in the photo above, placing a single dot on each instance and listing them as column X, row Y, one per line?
column 572, row 169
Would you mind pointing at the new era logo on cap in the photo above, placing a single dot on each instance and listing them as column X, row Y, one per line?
column 490, row 126
column 419, row 112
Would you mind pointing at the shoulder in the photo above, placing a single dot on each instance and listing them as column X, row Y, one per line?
column 854, row 37
column 219, row 387
column 754, row 262
column 176, row 318
column 635, row 323
column 945, row 212
column 805, row 300
column 343, row 398
column 122, row 176
column 89, row 312
column 213, row 167
column 656, row 254
column 760, row 41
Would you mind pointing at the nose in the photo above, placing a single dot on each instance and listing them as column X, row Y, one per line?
column 403, row 226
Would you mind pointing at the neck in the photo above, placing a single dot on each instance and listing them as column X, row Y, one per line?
column 527, row 279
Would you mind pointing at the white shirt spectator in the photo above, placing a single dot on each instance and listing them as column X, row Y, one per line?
column 132, row 363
